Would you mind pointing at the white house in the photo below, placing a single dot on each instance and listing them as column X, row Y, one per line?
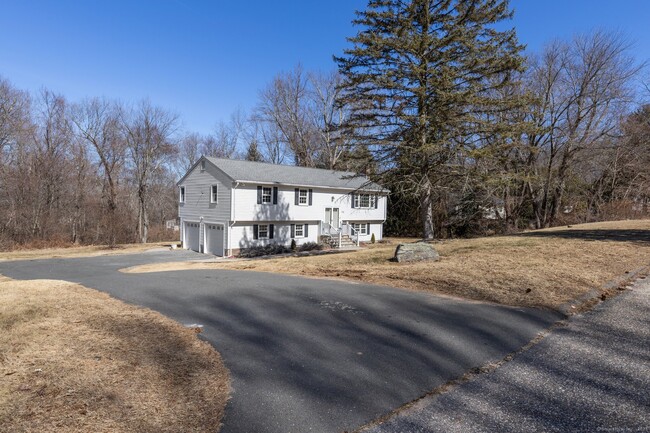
column 226, row 205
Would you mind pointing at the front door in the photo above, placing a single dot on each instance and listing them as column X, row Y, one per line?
column 332, row 217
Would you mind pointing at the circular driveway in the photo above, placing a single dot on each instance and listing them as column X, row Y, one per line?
column 307, row 354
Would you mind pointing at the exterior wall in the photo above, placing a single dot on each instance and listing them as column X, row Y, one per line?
column 377, row 229
column 242, row 234
column 247, row 209
column 197, row 206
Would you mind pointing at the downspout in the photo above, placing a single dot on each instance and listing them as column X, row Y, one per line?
column 233, row 221
column 385, row 216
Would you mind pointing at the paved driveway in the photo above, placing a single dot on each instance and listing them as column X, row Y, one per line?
column 304, row 354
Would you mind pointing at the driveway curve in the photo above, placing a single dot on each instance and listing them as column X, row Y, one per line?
column 309, row 355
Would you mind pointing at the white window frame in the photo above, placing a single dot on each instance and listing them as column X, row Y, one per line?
column 267, row 198
column 300, row 227
column 181, row 194
column 260, row 228
column 214, row 193
column 361, row 229
column 302, row 197
column 371, row 200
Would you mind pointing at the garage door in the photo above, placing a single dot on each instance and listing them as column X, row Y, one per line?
column 214, row 239
column 192, row 236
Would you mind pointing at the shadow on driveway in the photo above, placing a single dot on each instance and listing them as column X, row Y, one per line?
column 637, row 236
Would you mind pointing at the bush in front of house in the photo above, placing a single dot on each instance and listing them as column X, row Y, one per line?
column 263, row 250
column 310, row 246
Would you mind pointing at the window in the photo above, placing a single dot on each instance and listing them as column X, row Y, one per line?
column 213, row 193
column 302, row 197
column 300, row 232
column 366, row 201
column 361, row 229
column 203, row 165
column 267, row 196
column 263, row 231
column 181, row 194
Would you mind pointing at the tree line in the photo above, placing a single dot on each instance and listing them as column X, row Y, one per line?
column 473, row 136
column 431, row 99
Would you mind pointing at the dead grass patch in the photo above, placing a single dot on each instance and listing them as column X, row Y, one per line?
column 76, row 251
column 543, row 268
column 76, row 360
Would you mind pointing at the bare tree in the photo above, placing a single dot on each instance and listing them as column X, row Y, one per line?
column 328, row 118
column 583, row 89
column 97, row 123
column 52, row 140
column 189, row 152
column 284, row 107
column 150, row 134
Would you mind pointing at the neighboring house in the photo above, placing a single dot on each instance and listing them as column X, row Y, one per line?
column 226, row 205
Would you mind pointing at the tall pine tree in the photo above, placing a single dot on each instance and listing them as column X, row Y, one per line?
column 422, row 77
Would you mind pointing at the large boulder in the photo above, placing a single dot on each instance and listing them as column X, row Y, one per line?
column 415, row 252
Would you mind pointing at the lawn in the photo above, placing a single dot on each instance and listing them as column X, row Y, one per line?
column 80, row 251
column 76, row 360
column 542, row 268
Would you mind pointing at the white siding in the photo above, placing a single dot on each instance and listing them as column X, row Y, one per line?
column 247, row 209
column 242, row 234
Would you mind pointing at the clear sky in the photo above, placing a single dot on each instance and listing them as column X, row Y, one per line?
column 205, row 59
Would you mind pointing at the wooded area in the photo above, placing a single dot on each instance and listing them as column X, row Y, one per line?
column 471, row 135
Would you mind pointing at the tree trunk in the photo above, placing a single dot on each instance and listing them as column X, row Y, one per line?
column 426, row 211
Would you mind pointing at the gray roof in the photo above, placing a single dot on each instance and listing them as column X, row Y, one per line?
column 262, row 172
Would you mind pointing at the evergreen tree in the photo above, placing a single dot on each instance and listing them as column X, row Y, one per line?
column 252, row 153
column 422, row 80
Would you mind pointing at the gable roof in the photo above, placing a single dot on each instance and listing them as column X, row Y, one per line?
column 262, row 172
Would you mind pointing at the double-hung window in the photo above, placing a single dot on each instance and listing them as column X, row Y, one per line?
column 181, row 194
column 263, row 231
column 213, row 193
column 361, row 229
column 303, row 197
column 267, row 195
column 300, row 230
column 366, row 201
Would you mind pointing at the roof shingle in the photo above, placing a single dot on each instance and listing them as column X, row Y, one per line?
column 249, row 171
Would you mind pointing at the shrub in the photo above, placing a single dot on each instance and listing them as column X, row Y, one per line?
column 293, row 245
column 263, row 250
column 372, row 239
column 310, row 246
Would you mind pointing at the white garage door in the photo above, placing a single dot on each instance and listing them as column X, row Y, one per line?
column 214, row 239
column 192, row 236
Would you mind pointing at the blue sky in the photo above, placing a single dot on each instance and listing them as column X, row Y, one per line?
column 205, row 59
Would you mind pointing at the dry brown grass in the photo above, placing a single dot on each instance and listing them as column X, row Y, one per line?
column 76, row 251
column 543, row 268
column 75, row 360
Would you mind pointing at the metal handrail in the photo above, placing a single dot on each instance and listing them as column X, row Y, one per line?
column 346, row 228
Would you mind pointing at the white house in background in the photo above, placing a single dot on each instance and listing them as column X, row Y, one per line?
column 226, row 205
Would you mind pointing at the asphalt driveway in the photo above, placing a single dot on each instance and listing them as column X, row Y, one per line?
column 309, row 355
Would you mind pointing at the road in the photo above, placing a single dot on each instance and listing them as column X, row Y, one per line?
column 310, row 355
column 591, row 376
